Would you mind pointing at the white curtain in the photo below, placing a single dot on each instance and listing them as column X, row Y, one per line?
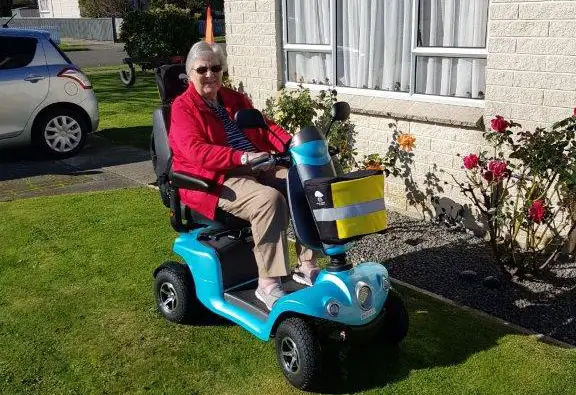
column 452, row 23
column 309, row 23
column 374, row 44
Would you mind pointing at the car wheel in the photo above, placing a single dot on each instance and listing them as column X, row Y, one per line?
column 61, row 133
column 396, row 320
column 299, row 354
column 175, row 294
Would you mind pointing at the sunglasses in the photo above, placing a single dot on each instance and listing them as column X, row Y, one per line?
column 214, row 68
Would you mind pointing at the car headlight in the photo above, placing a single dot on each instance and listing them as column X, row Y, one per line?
column 364, row 296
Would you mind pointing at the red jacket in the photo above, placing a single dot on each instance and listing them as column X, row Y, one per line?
column 198, row 143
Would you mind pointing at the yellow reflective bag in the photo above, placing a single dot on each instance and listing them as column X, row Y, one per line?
column 349, row 206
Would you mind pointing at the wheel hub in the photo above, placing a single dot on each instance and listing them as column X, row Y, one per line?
column 290, row 356
column 62, row 134
column 168, row 298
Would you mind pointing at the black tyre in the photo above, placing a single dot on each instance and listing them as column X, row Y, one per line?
column 396, row 321
column 128, row 77
column 175, row 294
column 61, row 132
column 299, row 354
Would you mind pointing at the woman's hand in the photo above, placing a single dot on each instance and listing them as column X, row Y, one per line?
column 260, row 161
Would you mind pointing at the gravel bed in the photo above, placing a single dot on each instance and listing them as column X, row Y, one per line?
column 454, row 264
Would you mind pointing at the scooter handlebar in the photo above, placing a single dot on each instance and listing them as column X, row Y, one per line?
column 276, row 159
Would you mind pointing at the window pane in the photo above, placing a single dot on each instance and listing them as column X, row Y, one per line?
column 16, row 52
column 374, row 44
column 308, row 21
column 310, row 68
column 452, row 23
column 43, row 5
column 457, row 77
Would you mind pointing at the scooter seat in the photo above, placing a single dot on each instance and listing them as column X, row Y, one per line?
column 223, row 220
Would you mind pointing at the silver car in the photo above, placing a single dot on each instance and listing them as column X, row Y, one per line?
column 44, row 99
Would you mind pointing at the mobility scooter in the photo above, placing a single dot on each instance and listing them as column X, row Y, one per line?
column 329, row 211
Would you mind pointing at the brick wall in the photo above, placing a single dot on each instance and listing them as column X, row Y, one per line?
column 435, row 154
column 531, row 72
column 254, row 47
column 530, row 77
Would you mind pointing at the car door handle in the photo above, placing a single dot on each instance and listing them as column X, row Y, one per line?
column 34, row 78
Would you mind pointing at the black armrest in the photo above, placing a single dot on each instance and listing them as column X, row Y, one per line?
column 185, row 181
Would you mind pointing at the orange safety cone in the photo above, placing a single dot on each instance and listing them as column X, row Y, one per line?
column 209, row 33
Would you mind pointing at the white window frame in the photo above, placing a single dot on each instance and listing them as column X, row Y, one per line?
column 46, row 10
column 477, row 53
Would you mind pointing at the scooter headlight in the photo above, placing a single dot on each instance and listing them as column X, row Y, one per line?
column 364, row 296
column 333, row 308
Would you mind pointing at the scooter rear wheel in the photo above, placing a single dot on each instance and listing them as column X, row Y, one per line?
column 299, row 354
column 175, row 294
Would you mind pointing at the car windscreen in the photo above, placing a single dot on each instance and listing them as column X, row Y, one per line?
column 66, row 58
column 16, row 52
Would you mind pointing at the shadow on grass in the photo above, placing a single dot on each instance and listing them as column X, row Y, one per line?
column 439, row 336
column 137, row 136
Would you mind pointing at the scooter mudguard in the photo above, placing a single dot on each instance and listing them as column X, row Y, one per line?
column 341, row 288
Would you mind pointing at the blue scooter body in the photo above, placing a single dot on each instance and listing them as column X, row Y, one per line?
column 338, row 287
column 311, row 158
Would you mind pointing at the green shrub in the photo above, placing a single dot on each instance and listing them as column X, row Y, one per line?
column 170, row 31
column 294, row 109
column 104, row 8
column 194, row 6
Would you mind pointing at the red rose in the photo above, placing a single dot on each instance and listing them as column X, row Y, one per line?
column 574, row 115
column 537, row 211
column 499, row 124
column 488, row 176
column 498, row 168
column 471, row 161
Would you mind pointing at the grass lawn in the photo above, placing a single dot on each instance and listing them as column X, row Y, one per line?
column 125, row 113
column 72, row 47
column 77, row 316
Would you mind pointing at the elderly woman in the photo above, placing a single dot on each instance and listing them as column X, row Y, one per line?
column 207, row 143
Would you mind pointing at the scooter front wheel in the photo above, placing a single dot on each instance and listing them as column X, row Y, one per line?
column 396, row 321
column 175, row 294
column 299, row 354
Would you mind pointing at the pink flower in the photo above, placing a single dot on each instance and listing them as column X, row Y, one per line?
column 471, row 161
column 537, row 211
column 498, row 168
column 499, row 124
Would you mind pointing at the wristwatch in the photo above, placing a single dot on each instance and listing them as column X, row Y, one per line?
column 244, row 158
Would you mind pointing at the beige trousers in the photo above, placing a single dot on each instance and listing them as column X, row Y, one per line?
column 260, row 199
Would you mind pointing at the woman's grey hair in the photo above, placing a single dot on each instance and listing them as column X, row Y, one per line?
column 202, row 47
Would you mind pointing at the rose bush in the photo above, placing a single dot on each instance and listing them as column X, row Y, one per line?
column 527, row 197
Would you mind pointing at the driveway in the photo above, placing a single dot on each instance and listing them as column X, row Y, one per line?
column 101, row 165
column 99, row 53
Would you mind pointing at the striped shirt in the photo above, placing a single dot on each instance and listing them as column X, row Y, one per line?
column 234, row 135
